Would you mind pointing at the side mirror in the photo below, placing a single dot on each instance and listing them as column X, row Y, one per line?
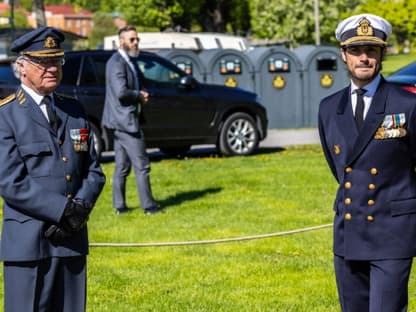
column 188, row 82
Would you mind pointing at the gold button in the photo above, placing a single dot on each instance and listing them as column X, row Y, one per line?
column 347, row 201
column 373, row 171
column 68, row 177
column 370, row 218
column 348, row 169
column 347, row 216
column 371, row 186
column 60, row 142
column 69, row 196
column 371, row 202
column 64, row 159
column 347, row 185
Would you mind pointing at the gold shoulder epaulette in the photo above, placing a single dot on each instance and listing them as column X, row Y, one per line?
column 8, row 99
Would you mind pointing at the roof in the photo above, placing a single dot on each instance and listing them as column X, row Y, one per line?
column 66, row 9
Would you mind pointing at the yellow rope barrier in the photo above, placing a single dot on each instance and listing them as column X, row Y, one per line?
column 212, row 241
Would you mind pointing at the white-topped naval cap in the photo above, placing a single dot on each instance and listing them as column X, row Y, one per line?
column 363, row 29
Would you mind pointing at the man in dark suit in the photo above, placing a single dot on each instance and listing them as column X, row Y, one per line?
column 122, row 110
column 50, row 180
column 368, row 135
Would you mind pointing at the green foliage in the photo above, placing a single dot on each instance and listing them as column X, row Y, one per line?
column 294, row 20
column 103, row 26
column 400, row 14
column 20, row 20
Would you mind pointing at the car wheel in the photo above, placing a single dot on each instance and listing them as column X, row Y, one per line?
column 177, row 152
column 238, row 135
column 98, row 143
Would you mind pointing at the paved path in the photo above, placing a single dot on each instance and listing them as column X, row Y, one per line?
column 275, row 138
column 285, row 137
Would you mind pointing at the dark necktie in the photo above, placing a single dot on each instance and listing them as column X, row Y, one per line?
column 53, row 121
column 359, row 108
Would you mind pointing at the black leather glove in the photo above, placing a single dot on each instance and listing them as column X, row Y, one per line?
column 75, row 215
column 57, row 234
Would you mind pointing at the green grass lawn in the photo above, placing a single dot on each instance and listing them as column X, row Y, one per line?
column 211, row 198
column 395, row 62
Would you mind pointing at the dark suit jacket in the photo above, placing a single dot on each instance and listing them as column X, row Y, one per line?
column 39, row 171
column 122, row 97
column 375, row 206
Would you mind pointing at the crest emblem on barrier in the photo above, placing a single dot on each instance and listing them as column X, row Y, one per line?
column 326, row 80
column 279, row 82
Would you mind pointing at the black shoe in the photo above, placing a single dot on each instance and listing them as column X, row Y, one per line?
column 150, row 211
column 120, row 211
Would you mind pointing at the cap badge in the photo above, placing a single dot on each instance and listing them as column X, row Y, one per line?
column 364, row 29
column 50, row 42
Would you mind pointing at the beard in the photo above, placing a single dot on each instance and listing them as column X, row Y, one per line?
column 369, row 76
column 131, row 52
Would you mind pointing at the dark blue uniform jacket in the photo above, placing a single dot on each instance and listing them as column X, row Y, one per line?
column 375, row 206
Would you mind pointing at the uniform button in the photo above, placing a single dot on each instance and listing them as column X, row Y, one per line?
column 371, row 202
column 373, row 171
column 371, row 186
column 64, row 159
column 348, row 169
column 347, row 185
column 69, row 196
column 370, row 218
column 68, row 177
column 347, row 216
column 347, row 201
column 60, row 142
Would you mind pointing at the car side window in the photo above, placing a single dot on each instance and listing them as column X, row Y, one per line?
column 71, row 70
column 157, row 73
column 88, row 77
column 99, row 65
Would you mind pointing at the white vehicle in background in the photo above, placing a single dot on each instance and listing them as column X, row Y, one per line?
column 220, row 41
column 188, row 41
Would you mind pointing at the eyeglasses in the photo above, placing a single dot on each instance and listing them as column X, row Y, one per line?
column 47, row 62
column 134, row 39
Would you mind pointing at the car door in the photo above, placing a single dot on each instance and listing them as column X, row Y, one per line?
column 84, row 79
column 173, row 112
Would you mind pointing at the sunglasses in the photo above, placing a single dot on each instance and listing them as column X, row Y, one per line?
column 47, row 62
column 131, row 40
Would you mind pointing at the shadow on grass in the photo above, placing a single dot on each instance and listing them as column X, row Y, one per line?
column 196, row 152
column 186, row 196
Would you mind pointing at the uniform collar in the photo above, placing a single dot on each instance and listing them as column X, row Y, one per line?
column 371, row 87
column 34, row 95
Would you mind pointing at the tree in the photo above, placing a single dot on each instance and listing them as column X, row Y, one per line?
column 294, row 21
column 400, row 14
column 103, row 26
column 39, row 10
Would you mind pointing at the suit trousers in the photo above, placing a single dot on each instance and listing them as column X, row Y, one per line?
column 47, row 285
column 130, row 150
column 374, row 286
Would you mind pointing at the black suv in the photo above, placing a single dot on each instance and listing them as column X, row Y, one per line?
column 181, row 112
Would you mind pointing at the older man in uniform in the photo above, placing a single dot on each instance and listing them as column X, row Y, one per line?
column 49, row 180
column 368, row 134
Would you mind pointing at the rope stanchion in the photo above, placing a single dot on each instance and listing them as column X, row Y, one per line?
column 212, row 241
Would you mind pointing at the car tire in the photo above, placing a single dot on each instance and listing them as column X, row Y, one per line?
column 238, row 136
column 176, row 152
column 98, row 143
